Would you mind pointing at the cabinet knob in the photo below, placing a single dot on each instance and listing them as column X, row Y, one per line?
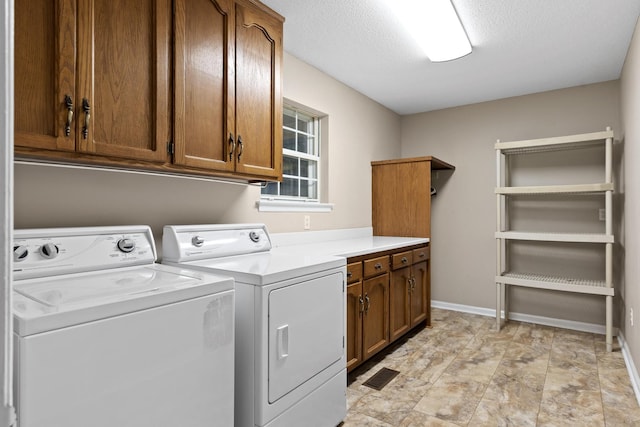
column 404, row 260
column 349, row 274
column 377, row 266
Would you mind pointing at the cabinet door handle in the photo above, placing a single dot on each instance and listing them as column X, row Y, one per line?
column 413, row 283
column 87, row 115
column 240, row 147
column 69, row 104
column 368, row 303
column 404, row 260
column 377, row 266
column 361, row 303
column 232, row 146
column 421, row 255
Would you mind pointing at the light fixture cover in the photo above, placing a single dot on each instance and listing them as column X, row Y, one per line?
column 436, row 26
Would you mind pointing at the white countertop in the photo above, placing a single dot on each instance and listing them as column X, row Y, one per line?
column 346, row 243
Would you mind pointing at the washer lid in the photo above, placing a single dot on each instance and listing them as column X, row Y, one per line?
column 45, row 304
column 266, row 267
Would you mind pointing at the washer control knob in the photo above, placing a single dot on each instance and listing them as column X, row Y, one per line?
column 49, row 250
column 20, row 253
column 197, row 241
column 126, row 245
column 254, row 236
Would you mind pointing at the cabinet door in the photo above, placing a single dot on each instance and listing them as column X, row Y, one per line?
column 123, row 67
column 399, row 320
column 355, row 305
column 45, row 73
column 204, row 84
column 420, row 300
column 401, row 199
column 258, row 102
column 375, row 326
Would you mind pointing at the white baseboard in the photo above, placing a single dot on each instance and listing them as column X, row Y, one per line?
column 631, row 367
column 560, row 323
column 529, row 318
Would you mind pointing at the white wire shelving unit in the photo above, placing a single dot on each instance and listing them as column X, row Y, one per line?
column 505, row 277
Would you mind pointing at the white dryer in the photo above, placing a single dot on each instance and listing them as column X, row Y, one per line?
column 290, row 323
column 106, row 337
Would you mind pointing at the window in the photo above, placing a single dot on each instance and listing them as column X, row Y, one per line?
column 300, row 158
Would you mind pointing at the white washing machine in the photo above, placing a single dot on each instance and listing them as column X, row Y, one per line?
column 106, row 337
column 290, row 323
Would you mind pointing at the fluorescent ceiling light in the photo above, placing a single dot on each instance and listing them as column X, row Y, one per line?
column 436, row 26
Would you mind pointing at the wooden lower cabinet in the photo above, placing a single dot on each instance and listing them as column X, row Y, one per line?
column 399, row 310
column 420, row 300
column 387, row 296
column 375, row 321
column 355, row 310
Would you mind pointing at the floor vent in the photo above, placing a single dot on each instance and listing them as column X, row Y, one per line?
column 381, row 378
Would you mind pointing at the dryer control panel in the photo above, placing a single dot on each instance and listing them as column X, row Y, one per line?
column 55, row 251
column 192, row 242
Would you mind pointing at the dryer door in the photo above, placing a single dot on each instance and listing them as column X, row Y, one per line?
column 306, row 332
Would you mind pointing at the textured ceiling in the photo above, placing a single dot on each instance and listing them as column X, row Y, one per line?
column 519, row 47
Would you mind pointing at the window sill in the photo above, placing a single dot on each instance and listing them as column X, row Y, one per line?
column 265, row 205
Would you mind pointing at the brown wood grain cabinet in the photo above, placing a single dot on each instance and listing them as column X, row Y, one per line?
column 355, row 312
column 101, row 82
column 367, row 308
column 189, row 87
column 420, row 294
column 400, row 300
column 228, row 102
column 387, row 296
column 410, row 291
column 375, row 321
column 401, row 196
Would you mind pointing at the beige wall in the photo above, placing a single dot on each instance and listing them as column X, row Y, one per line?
column 630, row 100
column 360, row 130
column 463, row 211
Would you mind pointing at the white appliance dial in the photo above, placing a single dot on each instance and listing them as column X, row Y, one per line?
column 254, row 236
column 20, row 253
column 126, row 245
column 49, row 250
column 197, row 241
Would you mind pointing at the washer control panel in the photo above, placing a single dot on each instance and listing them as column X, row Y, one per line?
column 47, row 252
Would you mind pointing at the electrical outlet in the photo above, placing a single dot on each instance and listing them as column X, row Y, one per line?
column 601, row 215
column 307, row 222
column 631, row 316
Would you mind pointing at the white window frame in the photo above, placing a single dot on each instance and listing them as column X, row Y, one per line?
column 282, row 203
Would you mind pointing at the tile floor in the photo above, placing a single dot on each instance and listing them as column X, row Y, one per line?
column 462, row 372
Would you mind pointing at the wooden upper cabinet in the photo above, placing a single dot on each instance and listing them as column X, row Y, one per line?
column 204, row 84
column 228, row 87
column 123, row 104
column 401, row 196
column 45, row 74
column 258, row 102
column 92, row 77
column 183, row 86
